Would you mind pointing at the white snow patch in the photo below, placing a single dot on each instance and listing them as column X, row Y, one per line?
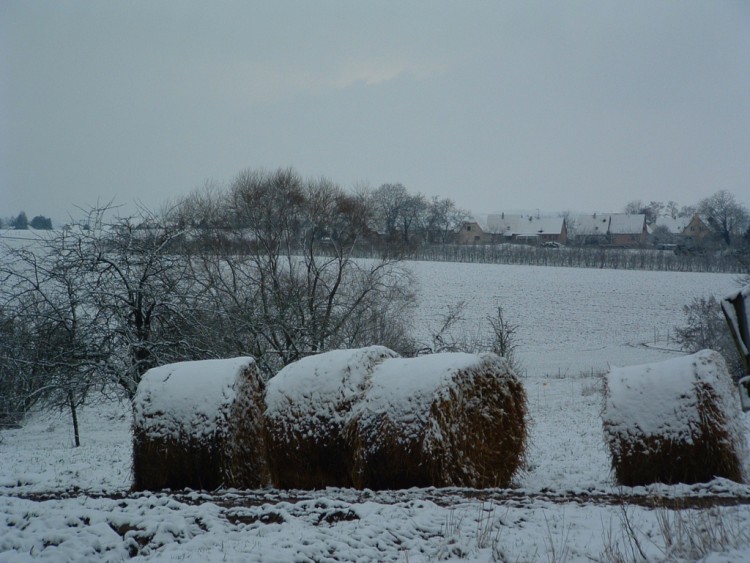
column 402, row 386
column 659, row 399
column 187, row 397
column 321, row 384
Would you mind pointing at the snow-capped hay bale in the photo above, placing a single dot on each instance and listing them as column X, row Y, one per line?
column 676, row 421
column 441, row 420
column 307, row 405
column 199, row 425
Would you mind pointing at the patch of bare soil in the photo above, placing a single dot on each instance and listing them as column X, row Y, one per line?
column 695, row 497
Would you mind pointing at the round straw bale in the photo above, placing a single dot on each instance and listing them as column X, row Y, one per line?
column 441, row 420
column 307, row 404
column 675, row 421
column 199, row 425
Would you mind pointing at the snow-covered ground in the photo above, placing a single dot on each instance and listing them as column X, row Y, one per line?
column 570, row 320
column 60, row 503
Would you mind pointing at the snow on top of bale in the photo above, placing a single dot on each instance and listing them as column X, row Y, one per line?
column 402, row 386
column 448, row 419
column 319, row 383
column 187, row 397
column 658, row 399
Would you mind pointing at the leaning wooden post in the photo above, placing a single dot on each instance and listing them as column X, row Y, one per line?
column 737, row 313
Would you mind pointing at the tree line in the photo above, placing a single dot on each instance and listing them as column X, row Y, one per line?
column 21, row 222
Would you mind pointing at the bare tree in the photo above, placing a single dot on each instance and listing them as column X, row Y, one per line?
column 387, row 203
column 119, row 287
column 633, row 207
column 17, row 386
column 398, row 215
column 44, row 290
column 139, row 283
column 295, row 289
column 442, row 219
column 451, row 335
column 725, row 216
column 652, row 211
column 412, row 219
column 504, row 337
column 672, row 209
column 687, row 211
column 95, row 307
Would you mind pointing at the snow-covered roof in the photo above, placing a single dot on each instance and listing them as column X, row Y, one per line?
column 480, row 220
column 524, row 225
column 622, row 223
column 612, row 223
column 673, row 225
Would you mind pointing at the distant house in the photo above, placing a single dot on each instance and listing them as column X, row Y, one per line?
column 693, row 229
column 475, row 231
column 615, row 229
column 499, row 228
column 528, row 229
column 696, row 230
column 673, row 225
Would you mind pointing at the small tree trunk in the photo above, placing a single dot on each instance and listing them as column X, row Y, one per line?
column 74, row 415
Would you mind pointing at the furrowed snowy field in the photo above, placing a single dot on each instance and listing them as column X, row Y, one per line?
column 60, row 503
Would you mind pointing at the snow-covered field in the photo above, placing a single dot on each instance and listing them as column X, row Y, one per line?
column 571, row 320
column 61, row 503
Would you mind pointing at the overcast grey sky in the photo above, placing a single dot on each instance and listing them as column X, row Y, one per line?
column 553, row 105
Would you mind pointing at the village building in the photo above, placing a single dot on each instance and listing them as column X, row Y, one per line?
column 522, row 229
column 611, row 229
column 685, row 229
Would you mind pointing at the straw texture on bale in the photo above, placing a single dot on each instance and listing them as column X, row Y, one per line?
column 439, row 420
column 676, row 421
column 307, row 406
column 199, row 425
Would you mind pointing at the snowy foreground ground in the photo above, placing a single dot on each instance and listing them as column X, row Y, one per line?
column 60, row 503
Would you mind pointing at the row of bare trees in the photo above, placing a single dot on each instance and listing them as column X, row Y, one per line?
column 22, row 222
column 408, row 220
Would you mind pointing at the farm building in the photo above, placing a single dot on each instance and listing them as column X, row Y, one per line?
column 616, row 229
column 525, row 229
column 693, row 229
